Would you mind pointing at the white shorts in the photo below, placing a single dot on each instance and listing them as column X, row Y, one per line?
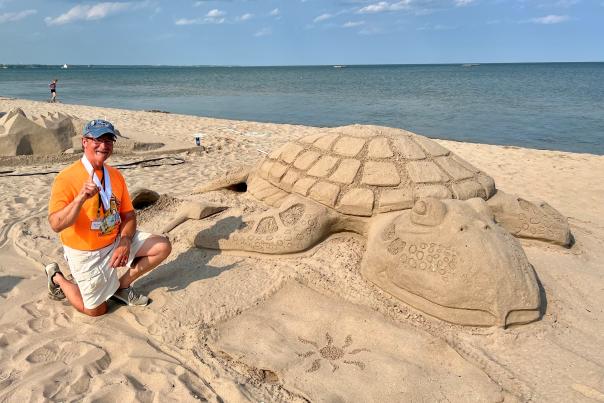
column 91, row 271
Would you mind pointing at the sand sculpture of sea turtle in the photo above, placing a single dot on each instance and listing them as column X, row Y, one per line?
column 438, row 231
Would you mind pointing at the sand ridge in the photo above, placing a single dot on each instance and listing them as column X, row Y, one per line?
column 229, row 328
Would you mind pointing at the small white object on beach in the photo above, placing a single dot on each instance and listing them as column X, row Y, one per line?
column 198, row 137
column 262, row 151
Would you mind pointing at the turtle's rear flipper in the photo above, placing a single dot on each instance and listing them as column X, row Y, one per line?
column 233, row 180
column 296, row 226
column 526, row 219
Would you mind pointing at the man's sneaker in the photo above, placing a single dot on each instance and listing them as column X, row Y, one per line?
column 54, row 291
column 131, row 297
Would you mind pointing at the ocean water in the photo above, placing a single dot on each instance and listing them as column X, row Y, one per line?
column 545, row 105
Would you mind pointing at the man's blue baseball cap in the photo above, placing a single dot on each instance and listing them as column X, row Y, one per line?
column 96, row 128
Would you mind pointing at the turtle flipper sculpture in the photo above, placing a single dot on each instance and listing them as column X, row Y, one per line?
column 296, row 226
column 526, row 219
column 363, row 178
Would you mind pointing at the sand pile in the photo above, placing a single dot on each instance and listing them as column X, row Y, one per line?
column 303, row 327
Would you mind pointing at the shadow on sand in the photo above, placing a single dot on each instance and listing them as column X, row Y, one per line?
column 7, row 283
column 193, row 264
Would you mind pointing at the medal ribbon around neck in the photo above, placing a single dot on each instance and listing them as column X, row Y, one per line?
column 105, row 191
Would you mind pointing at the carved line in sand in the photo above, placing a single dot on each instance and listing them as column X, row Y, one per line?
column 331, row 353
column 142, row 163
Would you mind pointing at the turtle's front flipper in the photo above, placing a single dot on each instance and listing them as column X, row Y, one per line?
column 296, row 226
column 449, row 259
column 525, row 219
column 192, row 211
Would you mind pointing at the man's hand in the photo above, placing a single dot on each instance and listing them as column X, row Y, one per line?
column 66, row 217
column 121, row 253
column 89, row 189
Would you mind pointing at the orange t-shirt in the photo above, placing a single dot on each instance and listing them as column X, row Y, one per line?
column 67, row 186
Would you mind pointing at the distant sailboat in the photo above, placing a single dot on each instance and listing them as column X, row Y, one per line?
column 64, row 66
column 338, row 66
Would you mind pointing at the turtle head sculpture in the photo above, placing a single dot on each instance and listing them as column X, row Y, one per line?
column 440, row 236
column 451, row 260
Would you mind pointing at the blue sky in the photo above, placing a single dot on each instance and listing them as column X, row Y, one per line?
column 300, row 32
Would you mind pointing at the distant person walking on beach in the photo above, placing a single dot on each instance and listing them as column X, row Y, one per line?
column 91, row 209
column 53, row 90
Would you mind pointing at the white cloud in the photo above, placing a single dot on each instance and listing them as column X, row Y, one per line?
column 462, row 3
column 215, row 13
column 88, row 13
column 203, row 20
column 263, row 32
column 214, row 16
column 550, row 19
column 245, row 17
column 11, row 17
column 322, row 17
column 275, row 12
column 353, row 24
column 384, row 6
column 186, row 21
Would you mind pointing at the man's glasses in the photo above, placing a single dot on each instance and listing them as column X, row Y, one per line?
column 107, row 142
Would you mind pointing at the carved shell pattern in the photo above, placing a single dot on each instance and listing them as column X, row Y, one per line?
column 365, row 170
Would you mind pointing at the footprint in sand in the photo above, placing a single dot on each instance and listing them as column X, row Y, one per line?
column 43, row 324
column 45, row 319
column 10, row 336
column 71, row 354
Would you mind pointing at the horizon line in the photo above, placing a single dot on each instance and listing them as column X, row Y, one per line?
column 294, row 65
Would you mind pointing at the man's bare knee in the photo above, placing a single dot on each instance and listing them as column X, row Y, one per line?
column 161, row 248
column 166, row 248
column 98, row 311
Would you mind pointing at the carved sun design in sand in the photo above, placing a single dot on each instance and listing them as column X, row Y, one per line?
column 331, row 353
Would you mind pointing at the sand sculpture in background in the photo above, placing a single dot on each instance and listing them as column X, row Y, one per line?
column 437, row 229
column 53, row 133
column 45, row 134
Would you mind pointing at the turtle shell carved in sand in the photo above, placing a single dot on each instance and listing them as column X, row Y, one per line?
column 439, row 234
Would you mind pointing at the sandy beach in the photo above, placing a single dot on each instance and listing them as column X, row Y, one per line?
column 224, row 327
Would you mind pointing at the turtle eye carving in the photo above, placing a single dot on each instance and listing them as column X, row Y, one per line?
column 429, row 211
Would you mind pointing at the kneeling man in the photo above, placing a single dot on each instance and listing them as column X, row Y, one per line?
column 91, row 209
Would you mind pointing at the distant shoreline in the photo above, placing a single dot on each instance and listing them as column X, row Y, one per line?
column 460, row 63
